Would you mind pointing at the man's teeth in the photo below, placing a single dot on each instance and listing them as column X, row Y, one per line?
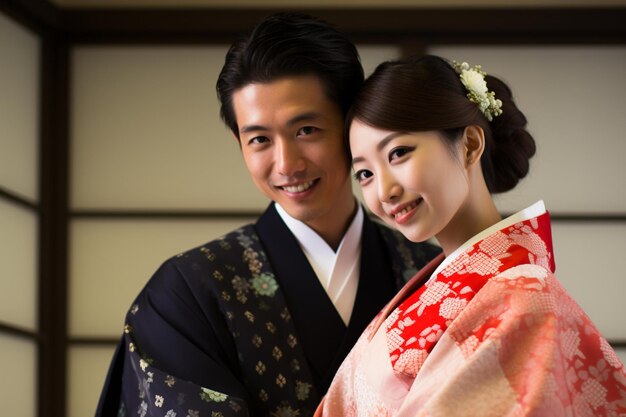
column 299, row 188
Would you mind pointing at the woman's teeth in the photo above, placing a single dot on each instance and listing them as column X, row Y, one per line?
column 406, row 209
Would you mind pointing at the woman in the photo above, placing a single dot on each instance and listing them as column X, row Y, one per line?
column 492, row 332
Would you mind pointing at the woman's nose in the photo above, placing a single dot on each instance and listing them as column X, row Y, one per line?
column 388, row 188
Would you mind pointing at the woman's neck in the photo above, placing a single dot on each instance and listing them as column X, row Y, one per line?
column 476, row 215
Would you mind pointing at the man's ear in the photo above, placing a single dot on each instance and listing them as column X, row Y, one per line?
column 473, row 144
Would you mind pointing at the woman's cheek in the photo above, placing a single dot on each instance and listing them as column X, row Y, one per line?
column 371, row 200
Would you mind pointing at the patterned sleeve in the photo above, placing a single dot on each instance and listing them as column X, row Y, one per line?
column 158, row 393
column 175, row 359
column 541, row 351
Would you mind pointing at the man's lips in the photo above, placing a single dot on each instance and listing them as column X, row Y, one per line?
column 298, row 188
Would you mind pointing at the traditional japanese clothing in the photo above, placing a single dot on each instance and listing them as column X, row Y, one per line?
column 492, row 333
column 242, row 326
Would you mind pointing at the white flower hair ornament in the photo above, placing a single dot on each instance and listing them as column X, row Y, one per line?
column 473, row 79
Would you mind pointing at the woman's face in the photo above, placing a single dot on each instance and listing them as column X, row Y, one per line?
column 413, row 181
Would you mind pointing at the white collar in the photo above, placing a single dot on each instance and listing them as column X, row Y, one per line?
column 314, row 246
column 338, row 272
column 534, row 210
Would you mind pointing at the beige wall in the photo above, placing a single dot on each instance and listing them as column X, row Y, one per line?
column 19, row 95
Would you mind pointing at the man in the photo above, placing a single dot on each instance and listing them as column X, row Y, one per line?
column 258, row 321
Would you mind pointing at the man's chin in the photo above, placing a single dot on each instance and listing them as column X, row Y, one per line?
column 301, row 213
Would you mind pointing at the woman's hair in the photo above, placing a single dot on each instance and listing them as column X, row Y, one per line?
column 425, row 94
column 290, row 44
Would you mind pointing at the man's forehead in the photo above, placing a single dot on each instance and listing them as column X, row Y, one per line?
column 286, row 100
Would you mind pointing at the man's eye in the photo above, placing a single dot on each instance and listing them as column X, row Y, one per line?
column 257, row 140
column 306, row 130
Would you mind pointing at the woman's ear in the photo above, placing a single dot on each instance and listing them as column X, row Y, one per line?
column 473, row 144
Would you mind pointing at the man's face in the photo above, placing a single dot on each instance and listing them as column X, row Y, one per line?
column 292, row 142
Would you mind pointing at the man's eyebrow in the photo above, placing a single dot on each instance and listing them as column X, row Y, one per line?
column 312, row 115
column 253, row 128
column 294, row 120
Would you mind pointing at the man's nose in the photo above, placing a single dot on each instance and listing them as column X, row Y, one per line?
column 288, row 158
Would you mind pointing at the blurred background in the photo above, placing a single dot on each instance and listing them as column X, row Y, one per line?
column 113, row 157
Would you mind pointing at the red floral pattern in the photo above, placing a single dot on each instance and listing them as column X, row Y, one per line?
column 417, row 324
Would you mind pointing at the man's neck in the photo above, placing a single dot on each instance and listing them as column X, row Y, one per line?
column 331, row 228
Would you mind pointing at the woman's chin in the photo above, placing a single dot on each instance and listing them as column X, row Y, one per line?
column 414, row 235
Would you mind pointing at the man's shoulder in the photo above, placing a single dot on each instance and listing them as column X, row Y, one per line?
column 228, row 245
column 216, row 258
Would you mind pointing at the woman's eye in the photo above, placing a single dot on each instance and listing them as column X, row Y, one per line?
column 306, row 130
column 398, row 153
column 362, row 175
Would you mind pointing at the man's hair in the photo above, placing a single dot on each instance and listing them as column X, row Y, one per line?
column 290, row 44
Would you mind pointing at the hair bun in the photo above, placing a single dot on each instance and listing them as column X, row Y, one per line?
column 512, row 146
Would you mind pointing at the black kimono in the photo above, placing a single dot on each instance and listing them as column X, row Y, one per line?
column 241, row 326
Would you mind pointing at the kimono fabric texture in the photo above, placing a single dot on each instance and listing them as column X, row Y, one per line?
column 492, row 333
column 241, row 326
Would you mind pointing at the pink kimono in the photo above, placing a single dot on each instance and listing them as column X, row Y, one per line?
column 492, row 333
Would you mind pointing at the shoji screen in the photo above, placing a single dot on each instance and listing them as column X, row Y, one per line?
column 145, row 137
column 19, row 121
column 151, row 166
column 575, row 101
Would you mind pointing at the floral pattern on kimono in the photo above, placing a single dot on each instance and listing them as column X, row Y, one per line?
column 268, row 352
column 491, row 334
